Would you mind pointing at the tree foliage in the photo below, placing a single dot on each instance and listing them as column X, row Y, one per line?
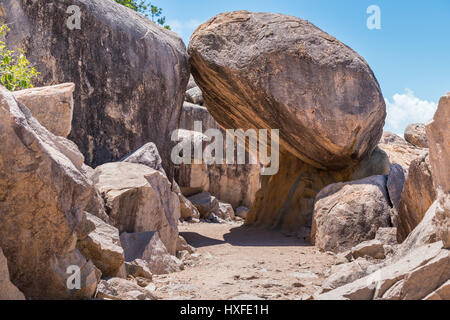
column 145, row 8
column 15, row 69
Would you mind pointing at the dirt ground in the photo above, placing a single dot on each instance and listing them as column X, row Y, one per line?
column 233, row 261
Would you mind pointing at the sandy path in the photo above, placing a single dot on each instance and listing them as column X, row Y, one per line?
column 237, row 262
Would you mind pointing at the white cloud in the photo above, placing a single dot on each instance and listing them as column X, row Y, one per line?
column 184, row 28
column 406, row 109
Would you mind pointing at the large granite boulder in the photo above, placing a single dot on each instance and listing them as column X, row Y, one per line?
column 286, row 200
column 272, row 71
column 51, row 106
column 347, row 214
column 139, row 199
column 43, row 195
column 417, row 197
column 439, row 136
column 416, row 134
column 130, row 74
column 8, row 291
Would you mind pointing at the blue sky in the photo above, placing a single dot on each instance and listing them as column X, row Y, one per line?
column 410, row 54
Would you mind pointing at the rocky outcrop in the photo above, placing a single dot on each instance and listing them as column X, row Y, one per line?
column 283, row 72
column 414, row 277
column 400, row 151
column 130, row 96
column 8, row 290
column 417, row 197
column 347, row 214
column 139, row 199
column 416, row 134
column 234, row 184
column 102, row 246
column 51, row 106
column 439, row 136
column 286, row 200
column 43, row 195
column 148, row 247
column 121, row 289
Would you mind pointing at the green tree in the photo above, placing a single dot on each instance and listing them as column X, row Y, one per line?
column 15, row 69
column 145, row 8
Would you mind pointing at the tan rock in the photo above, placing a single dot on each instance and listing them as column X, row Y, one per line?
column 102, row 246
column 439, row 139
column 51, row 106
column 225, row 211
column 147, row 155
column 417, row 197
column 138, row 268
column 184, row 246
column 121, row 289
column 347, row 214
column 43, row 195
column 194, row 95
column 139, row 199
column 387, row 236
column 187, row 210
column 416, row 134
column 147, row 246
column 373, row 249
column 443, row 293
column 285, row 73
column 8, row 291
column 406, row 279
column 400, row 152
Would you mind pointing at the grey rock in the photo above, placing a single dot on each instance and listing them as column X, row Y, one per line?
column 130, row 74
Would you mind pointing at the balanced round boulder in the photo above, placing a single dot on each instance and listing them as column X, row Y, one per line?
column 273, row 71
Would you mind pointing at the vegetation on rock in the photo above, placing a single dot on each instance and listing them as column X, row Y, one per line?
column 145, row 8
column 15, row 69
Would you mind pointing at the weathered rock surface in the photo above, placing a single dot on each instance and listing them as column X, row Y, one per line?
column 205, row 203
column 443, row 293
column 234, row 184
column 439, row 137
column 286, row 200
column 138, row 268
column 51, row 106
column 400, row 151
column 43, row 195
column 395, row 184
column 147, row 246
column 372, row 248
column 187, row 210
column 416, row 134
column 121, row 289
column 225, row 211
column 347, row 214
column 417, row 197
column 282, row 72
column 387, row 236
column 194, row 95
column 8, row 291
column 130, row 96
column 139, row 199
column 347, row 273
column 102, row 246
column 413, row 277
column 147, row 155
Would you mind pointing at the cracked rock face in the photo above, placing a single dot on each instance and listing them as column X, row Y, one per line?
column 42, row 199
column 272, row 71
column 130, row 75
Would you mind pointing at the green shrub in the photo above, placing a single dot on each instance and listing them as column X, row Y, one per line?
column 15, row 70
